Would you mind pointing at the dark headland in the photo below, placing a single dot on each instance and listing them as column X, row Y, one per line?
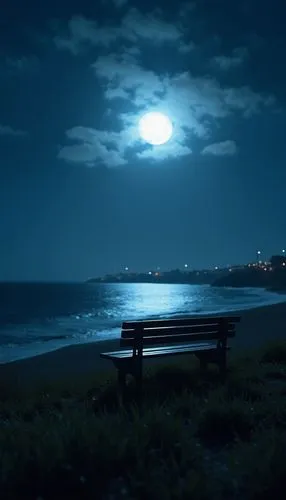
column 269, row 274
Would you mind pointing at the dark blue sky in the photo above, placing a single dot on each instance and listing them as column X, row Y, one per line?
column 81, row 194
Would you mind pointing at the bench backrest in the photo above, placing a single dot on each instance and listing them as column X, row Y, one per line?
column 140, row 334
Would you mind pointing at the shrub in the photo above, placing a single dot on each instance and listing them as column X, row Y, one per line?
column 223, row 421
column 274, row 352
column 259, row 468
column 191, row 438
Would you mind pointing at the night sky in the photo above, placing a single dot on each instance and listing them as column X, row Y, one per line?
column 80, row 194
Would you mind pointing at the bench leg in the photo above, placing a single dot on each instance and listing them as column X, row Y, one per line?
column 135, row 369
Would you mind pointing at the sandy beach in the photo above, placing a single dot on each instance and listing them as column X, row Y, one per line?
column 256, row 328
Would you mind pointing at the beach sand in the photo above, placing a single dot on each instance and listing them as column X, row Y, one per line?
column 257, row 327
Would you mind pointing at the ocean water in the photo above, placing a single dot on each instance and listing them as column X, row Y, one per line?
column 41, row 317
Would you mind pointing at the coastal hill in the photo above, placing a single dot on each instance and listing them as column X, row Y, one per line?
column 202, row 277
column 270, row 275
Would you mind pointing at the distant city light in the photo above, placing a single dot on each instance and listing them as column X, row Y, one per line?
column 126, row 268
column 186, row 265
column 150, row 272
column 216, row 268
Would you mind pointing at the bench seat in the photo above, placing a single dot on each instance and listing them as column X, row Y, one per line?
column 161, row 351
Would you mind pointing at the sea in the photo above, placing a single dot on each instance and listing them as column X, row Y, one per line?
column 39, row 317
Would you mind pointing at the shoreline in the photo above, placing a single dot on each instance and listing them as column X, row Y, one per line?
column 257, row 327
column 34, row 353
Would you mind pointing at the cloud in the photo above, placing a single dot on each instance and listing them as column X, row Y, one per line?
column 22, row 64
column 133, row 51
column 237, row 58
column 247, row 101
column 166, row 151
column 195, row 103
column 192, row 103
column 225, row 148
column 184, row 47
column 83, row 31
column 116, row 3
column 91, row 154
column 186, row 8
column 94, row 147
column 149, row 27
column 121, row 73
column 134, row 26
column 189, row 100
column 7, row 130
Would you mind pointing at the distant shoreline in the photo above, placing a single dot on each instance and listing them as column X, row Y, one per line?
column 279, row 290
column 143, row 282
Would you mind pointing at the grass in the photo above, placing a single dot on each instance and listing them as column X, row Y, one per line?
column 193, row 436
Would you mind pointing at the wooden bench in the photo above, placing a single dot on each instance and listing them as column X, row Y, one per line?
column 206, row 338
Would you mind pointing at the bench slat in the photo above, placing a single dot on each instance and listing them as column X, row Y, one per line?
column 161, row 351
column 179, row 322
column 173, row 339
column 174, row 330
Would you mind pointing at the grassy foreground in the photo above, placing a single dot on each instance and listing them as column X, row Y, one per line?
column 193, row 437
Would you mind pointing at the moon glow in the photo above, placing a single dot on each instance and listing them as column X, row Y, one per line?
column 155, row 128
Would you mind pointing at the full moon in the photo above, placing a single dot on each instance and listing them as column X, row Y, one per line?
column 155, row 128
